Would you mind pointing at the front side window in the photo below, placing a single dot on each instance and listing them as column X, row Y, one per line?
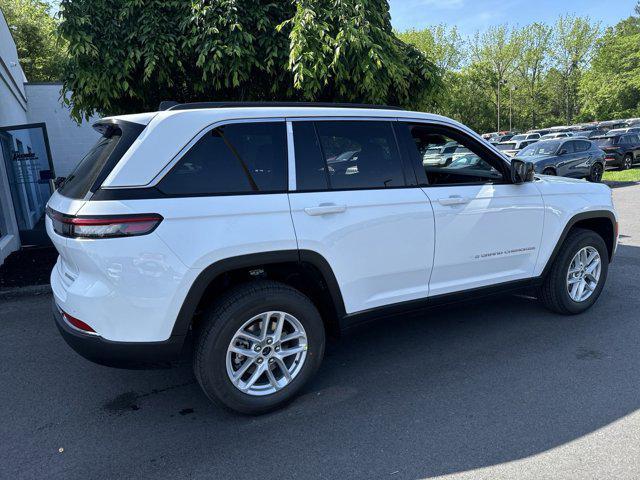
column 449, row 158
column 360, row 154
column 236, row 158
column 545, row 147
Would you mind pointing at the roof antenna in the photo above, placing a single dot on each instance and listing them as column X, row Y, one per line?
column 167, row 104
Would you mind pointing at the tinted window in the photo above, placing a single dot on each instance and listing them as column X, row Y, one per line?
column 310, row 167
column 236, row 158
column 568, row 147
column 605, row 141
column 545, row 147
column 582, row 146
column 447, row 160
column 360, row 154
column 80, row 181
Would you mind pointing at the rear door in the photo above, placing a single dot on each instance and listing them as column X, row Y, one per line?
column 357, row 204
column 488, row 231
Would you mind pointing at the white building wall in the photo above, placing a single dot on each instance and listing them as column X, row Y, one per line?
column 13, row 107
column 68, row 140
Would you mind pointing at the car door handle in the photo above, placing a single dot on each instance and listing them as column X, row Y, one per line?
column 453, row 200
column 325, row 209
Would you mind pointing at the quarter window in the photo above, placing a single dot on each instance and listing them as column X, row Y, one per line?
column 582, row 146
column 235, row 158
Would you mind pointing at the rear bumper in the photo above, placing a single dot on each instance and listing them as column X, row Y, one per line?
column 119, row 354
column 613, row 159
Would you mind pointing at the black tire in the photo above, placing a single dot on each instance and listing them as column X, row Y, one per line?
column 222, row 321
column 627, row 162
column 595, row 175
column 548, row 171
column 553, row 293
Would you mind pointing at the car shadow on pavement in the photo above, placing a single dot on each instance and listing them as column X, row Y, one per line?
column 449, row 390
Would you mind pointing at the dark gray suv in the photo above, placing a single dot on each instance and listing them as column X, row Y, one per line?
column 577, row 158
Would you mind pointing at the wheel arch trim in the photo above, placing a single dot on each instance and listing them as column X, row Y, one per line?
column 210, row 273
column 591, row 215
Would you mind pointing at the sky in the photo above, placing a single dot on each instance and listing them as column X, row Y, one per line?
column 472, row 15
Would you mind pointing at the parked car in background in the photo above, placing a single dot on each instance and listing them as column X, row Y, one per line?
column 512, row 147
column 552, row 135
column 505, row 138
column 579, row 158
column 611, row 124
column 597, row 132
column 540, row 131
column 620, row 131
column 620, row 150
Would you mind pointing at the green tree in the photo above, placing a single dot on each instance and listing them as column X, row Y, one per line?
column 128, row 55
column 41, row 52
column 494, row 53
column 531, row 66
column 611, row 88
column 447, row 50
column 573, row 43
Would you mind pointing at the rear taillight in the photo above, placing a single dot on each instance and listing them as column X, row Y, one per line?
column 103, row 226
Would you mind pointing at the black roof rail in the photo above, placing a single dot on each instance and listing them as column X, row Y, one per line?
column 196, row 105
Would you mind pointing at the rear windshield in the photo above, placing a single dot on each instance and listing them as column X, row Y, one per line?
column 94, row 167
column 606, row 141
column 80, row 181
column 506, row 146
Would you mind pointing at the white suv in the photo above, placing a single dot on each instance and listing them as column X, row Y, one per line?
column 252, row 231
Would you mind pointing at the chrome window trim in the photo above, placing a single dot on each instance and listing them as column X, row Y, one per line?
column 291, row 154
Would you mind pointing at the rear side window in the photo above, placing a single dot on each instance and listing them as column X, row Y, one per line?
column 582, row 146
column 311, row 171
column 360, row 154
column 236, row 158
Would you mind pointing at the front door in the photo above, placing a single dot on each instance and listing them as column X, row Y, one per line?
column 488, row 231
column 25, row 152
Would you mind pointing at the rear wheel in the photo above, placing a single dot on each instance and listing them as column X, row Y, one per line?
column 596, row 173
column 627, row 162
column 578, row 273
column 258, row 346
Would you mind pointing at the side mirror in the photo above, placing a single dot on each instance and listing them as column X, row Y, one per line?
column 563, row 151
column 521, row 171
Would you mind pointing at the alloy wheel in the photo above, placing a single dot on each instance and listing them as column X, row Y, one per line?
column 596, row 172
column 584, row 274
column 627, row 163
column 266, row 353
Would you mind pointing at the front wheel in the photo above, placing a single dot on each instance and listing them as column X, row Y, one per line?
column 548, row 171
column 597, row 170
column 627, row 162
column 578, row 273
column 258, row 346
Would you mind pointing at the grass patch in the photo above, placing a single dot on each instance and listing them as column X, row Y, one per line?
column 631, row 175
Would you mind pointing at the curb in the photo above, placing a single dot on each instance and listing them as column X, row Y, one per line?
column 32, row 290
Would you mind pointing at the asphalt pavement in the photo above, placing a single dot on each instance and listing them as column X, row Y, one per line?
column 497, row 388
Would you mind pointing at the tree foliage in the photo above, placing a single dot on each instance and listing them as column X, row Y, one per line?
column 128, row 55
column 611, row 88
column 41, row 53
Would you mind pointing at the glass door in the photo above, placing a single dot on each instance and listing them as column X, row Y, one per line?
column 27, row 157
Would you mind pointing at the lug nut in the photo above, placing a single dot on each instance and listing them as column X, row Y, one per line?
column 277, row 349
column 271, row 360
column 257, row 348
column 259, row 360
column 269, row 341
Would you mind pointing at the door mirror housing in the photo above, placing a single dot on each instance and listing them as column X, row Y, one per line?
column 563, row 151
column 521, row 171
